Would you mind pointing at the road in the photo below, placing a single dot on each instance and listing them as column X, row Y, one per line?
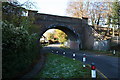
column 106, row 64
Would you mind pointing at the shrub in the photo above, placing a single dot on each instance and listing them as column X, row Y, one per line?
column 19, row 49
column 14, row 38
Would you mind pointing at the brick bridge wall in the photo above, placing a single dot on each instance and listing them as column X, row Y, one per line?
column 75, row 28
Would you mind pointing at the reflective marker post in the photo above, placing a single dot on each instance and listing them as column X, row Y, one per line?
column 56, row 51
column 74, row 56
column 63, row 52
column 93, row 71
column 114, row 52
column 84, row 60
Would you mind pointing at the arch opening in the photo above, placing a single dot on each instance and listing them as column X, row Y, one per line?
column 69, row 38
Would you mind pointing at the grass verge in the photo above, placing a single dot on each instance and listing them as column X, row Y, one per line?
column 58, row 66
column 108, row 53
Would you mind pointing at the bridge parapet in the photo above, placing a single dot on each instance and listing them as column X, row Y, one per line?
column 85, row 20
column 48, row 17
column 57, row 18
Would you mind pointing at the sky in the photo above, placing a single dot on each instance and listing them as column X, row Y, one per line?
column 55, row 7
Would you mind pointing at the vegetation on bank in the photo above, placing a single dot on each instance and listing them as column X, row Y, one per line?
column 58, row 66
column 19, row 44
column 19, row 49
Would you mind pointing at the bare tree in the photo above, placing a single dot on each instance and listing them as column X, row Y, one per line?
column 28, row 4
column 95, row 11
column 76, row 9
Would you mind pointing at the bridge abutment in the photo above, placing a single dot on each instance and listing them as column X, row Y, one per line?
column 73, row 45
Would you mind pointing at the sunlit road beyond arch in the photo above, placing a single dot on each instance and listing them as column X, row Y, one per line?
column 54, row 45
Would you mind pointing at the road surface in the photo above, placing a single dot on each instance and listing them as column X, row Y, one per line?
column 106, row 64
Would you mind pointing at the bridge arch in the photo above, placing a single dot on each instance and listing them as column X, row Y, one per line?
column 43, row 22
column 74, row 41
